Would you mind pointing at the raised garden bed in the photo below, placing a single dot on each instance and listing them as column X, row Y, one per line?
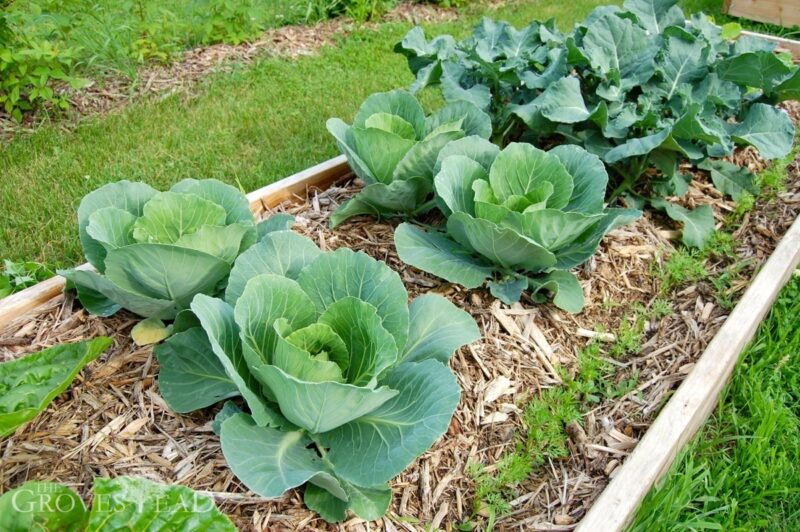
column 113, row 421
column 653, row 326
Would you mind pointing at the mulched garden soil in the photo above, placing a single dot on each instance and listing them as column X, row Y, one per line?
column 112, row 421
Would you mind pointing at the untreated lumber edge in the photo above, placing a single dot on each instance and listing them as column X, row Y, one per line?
column 779, row 12
column 272, row 195
column 787, row 44
column 694, row 400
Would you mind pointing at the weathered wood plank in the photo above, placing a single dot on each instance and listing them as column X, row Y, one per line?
column 695, row 398
column 788, row 45
column 784, row 13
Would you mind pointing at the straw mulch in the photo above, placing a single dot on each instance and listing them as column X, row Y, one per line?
column 112, row 421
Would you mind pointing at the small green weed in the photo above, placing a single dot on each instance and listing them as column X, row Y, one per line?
column 723, row 284
column 629, row 335
column 16, row 276
column 682, row 267
column 721, row 245
column 660, row 308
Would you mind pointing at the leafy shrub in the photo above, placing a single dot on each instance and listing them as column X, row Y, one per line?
column 121, row 503
column 521, row 217
column 393, row 147
column 28, row 68
column 638, row 86
column 154, row 251
column 346, row 383
column 30, row 383
column 230, row 21
column 16, row 276
column 360, row 10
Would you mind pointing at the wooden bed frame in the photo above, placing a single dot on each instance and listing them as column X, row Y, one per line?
column 781, row 12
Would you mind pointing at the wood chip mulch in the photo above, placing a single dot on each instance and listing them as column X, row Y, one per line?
column 112, row 420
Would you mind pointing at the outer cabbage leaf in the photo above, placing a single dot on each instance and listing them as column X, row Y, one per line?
column 218, row 321
column 191, row 376
column 376, row 447
column 383, row 201
column 438, row 328
column 567, row 292
column 280, row 252
column 500, row 245
column 437, row 254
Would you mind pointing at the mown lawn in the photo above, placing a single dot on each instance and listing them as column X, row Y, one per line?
column 249, row 128
column 742, row 471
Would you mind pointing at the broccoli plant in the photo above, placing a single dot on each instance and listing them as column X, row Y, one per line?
column 639, row 86
column 345, row 383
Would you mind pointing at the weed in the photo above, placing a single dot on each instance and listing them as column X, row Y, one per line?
column 16, row 276
column 629, row 335
column 721, row 245
column 724, row 293
column 622, row 387
column 681, row 267
column 660, row 308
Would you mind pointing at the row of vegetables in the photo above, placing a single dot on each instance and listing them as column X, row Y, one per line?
column 344, row 382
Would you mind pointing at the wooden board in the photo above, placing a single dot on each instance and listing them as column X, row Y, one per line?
column 321, row 176
column 781, row 12
column 788, row 45
column 695, row 398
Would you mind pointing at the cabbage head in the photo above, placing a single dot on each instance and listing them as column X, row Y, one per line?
column 345, row 383
column 520, row 217
column 154, row 251
column 392, row 146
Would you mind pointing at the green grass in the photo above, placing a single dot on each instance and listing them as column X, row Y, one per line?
column 742, row 471
column 250, row 127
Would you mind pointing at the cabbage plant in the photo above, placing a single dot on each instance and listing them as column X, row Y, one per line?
column 154, row 251
column 520, row 217
column 392, row 146
column 345, row 383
